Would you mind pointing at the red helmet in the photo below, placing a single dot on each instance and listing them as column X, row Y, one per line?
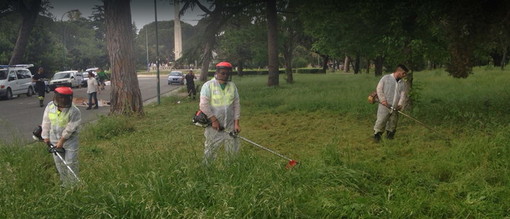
column 223, row 65
column 63, row 97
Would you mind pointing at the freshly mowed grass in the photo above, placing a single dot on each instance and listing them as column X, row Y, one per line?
column 151, row 167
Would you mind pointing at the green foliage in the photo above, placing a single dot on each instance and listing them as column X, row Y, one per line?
column 310, row 70
column 8, row 36
column 147, row 37
column 46, row 48
column 241, row 44
column 461, row 34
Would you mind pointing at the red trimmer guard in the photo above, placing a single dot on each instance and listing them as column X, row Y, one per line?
column 291, row 164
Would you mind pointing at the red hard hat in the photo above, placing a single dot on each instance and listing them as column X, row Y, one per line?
column 64, row 90
column 224, row 65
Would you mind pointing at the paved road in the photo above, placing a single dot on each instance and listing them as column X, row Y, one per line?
column 19, row 116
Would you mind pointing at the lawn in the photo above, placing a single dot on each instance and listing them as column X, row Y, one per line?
column 151, row 167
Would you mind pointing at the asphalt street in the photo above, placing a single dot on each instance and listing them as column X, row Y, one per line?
column 20, row 115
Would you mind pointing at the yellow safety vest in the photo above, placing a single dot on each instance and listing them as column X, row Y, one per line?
column 220, row 97
column 57, row 117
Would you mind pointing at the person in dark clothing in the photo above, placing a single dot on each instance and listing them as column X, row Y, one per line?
column 40, row 86
column 102, row 78
column 190, row 83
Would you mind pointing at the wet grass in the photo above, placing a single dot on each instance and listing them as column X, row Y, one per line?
column 151, row 167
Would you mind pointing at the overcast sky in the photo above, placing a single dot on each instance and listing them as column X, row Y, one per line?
column 142, row 11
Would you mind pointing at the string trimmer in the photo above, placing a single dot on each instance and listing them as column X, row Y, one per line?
column 53, row 149
column 200, row 119
column 289, row 165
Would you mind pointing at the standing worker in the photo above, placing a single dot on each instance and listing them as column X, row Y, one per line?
column 102, row 77
column 190, row 83
column 60, row 124
column 392, row 93
column 40, row 85
column 92, row 90
column 219, row 100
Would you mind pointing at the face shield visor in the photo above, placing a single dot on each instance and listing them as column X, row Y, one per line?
column 223, row 71
column 223, row 74
column 63, row 97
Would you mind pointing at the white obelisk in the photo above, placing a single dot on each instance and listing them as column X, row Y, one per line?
column 177, row 32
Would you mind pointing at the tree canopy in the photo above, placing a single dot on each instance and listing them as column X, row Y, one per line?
column 373, row 34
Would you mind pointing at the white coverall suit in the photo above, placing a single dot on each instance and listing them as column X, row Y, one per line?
column 57, row 124
column 224, row 105
column 395, row 94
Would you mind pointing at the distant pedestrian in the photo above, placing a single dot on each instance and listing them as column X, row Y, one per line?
column 92, row 90
column 392, row 92
column 102, row 77
column 40, row 85
column 190, row 84
column 219, row 100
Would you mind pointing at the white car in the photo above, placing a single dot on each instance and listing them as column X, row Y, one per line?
column 66, row 78
column 15, row 80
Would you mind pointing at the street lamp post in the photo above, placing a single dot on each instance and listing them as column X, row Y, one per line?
column 147, row 48
column 157, row 52
column 64, row 38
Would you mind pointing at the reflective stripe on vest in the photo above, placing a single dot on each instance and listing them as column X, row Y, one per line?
column 57, row 117
column 220, row 97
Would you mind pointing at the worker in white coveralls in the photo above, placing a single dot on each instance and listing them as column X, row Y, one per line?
column 219, row 100
column 60, row 124
column 392, row 93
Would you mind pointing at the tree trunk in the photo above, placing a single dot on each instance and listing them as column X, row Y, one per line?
column 325, row 60
column 214, row 23
column 29, row 11
column 497, row 58
column 287, row 55
column 240, row 68
column 290, row 77
column 204, row 71
column 272, row 43
column 368, row 66
column 460, row 65
column 357, row 64
column 126, row 98
column 503, row 62
column 288, row 51
column 379, row 61
column 346, row 64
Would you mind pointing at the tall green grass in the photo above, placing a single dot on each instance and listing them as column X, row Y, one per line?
column 151, row 167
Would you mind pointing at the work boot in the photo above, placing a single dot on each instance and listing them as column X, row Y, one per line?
column 377, row 137
column 41, row 104
column 390, row 135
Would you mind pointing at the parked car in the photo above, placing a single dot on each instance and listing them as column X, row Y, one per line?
column 15, row 80
column 176, row 77
column 86, row 75
column 66, row 78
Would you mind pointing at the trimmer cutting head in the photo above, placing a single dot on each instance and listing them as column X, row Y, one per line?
column 291, row 164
